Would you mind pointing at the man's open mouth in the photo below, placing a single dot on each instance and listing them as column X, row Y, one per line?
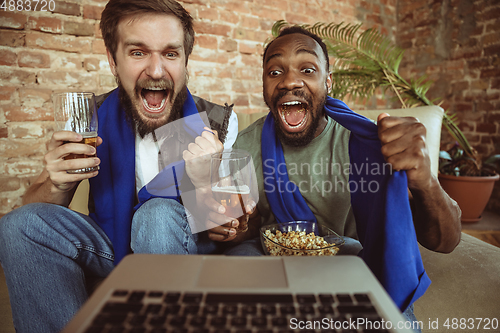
column 154, row 98
column 293, row 113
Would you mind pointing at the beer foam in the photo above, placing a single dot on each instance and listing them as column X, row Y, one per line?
column 243, row 189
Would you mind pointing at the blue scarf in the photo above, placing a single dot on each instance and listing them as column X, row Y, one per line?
column 113, row 189
column 383, row 220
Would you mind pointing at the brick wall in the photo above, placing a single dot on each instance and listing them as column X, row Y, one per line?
column 457, row 44
column 61, row 49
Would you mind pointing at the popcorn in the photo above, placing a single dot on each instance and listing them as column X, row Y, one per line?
column 299, row 241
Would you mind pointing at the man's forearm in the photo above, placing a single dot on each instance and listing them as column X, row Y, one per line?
column 436, row 218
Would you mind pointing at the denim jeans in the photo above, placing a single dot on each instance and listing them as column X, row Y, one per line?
column 47, row 252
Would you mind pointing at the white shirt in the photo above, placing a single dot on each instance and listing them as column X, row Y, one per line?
column 146, row 153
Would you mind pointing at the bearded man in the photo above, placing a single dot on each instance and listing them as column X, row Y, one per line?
column 47, row 250
column 316, row 160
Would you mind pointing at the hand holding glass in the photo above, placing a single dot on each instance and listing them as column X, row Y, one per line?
column 231, row 181
column 77, row 112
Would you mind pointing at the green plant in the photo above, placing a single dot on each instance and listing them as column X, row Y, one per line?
column 454, row 161
column 368, row 60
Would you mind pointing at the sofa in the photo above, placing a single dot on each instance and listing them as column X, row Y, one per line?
column 465, row 284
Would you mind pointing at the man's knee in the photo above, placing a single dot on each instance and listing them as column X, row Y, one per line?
column 16, row 226
column 16, row 223
column 160, row 213
column 160, row 226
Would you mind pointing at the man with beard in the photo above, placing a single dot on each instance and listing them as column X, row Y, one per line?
column 47, row 250
column 313, row 156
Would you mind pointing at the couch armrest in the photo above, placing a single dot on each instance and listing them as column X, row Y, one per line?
column 81, row 198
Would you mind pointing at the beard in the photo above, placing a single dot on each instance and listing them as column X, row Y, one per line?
column 315, row 113
column 145, row 126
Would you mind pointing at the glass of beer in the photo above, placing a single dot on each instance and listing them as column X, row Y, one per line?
column 77, row 112
column 231, row 173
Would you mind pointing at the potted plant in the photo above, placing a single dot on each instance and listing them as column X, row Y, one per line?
column 466, row 181
column 368, row 60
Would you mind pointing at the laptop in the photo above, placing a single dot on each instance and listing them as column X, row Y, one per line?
column 226, row 294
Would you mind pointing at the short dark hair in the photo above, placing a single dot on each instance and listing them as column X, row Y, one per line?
column 296, row 29
column 116, row 10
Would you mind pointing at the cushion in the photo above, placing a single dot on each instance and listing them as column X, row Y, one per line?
column 430, row 116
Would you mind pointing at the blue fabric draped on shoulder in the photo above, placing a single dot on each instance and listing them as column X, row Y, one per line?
column 113, row 189
column 383, row 216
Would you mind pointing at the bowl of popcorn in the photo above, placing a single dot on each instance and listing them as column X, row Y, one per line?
column 300, row 238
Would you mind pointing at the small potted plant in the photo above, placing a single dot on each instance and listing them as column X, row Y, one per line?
column 368, row 60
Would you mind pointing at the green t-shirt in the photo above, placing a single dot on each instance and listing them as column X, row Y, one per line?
column 320, row 170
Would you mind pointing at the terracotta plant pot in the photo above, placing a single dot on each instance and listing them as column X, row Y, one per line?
column 471, row 193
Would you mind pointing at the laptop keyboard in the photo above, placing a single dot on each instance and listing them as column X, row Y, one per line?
column 175, row 312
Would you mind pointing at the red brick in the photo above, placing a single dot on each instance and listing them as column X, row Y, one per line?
column 495, row 83
column 492, row 50
column 491, row 38
column 45, row 24
column 13, row 20
column 495, row 26
column 79, row 28
column 486, row 128
column 479, row 84
column 247, row 73
column 297, row 18
column 67, row 8
column 249, row 48
column 17, row 77
column 279, row 4
column 229, row 45
column 251, row 60
column 484, row 106
column 257, row 100
column 97, row 31
column 206, row 13
column 34, row 96
column 67, row 79
column 493, row 117
column 238, row 6
column 6, row 93
column 477, row 63
column 4, row 132
column 10, row 184
column 487, row 73
column 212, row 29
column 58, row 42
column 225, row 73
column 206, row 42
column 266, row 12
column 229, row 17
column 33, row 59
column 107, row 81
column 241, row 100
column 12, row 38
column 486, row 139
column 91, row 64
column 98, row 47
column 220, row 98
column 250, row 22
column 25, row 113
column 7, row 58
column 491, row 14
column 27, row 130
column 92, row 12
